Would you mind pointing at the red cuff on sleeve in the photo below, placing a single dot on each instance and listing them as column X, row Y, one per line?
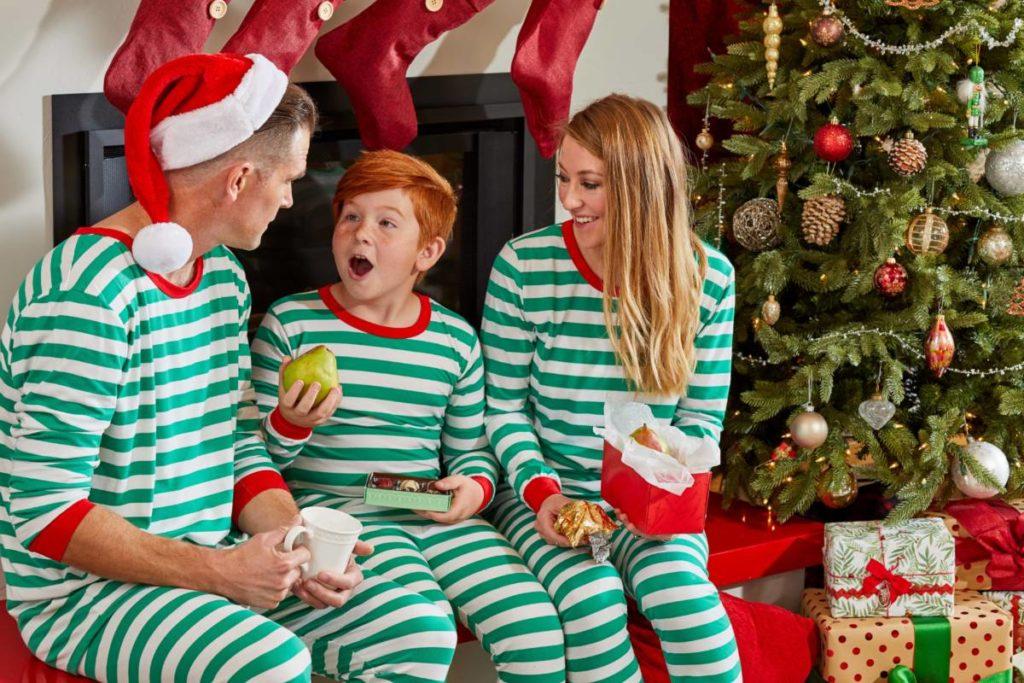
column 286, row 428
column 485, row 484
column 539, row 490
column 252, row 485
column 53, row 540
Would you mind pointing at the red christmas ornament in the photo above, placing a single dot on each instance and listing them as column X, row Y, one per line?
column 891, row 278
column 833, row 142
column 784, row 451
column 940, row 347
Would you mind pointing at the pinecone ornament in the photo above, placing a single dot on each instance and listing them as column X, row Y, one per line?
column 908, row 156
column 821, row 219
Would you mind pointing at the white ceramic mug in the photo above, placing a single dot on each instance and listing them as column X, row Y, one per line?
column 330, row 535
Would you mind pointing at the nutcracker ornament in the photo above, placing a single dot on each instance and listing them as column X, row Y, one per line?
column 976, row 109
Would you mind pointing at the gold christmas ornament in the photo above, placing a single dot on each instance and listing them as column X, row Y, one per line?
column 772, row 41
column 840, row 496
column 705, row 140
column 995, row 247
column 827, row 30
column 770, row 310
column 927, row 234
column 908, row 156
column 782, row 165
column 821, row 219
column 755, row 225
column 809, row 429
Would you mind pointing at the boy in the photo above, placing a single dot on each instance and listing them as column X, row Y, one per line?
column 413, row 405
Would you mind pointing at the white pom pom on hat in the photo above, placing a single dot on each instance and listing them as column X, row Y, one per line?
column 188, row 111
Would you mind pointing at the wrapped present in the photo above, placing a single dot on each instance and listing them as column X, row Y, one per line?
column 877, row 569
column 1010, row 601
column 584, row 522
column 972, row 645
column 655, row 474
column 989, row 536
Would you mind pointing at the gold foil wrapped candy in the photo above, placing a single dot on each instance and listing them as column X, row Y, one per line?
column 582, row 522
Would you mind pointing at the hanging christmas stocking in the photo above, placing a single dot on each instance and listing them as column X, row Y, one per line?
column 281, row 30
column 161, row 31
column 370, row 54
column 549, row 44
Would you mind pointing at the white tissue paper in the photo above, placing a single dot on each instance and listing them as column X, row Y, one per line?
column 689, row 455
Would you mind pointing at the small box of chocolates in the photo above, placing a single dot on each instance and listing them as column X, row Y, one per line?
column 403, row 491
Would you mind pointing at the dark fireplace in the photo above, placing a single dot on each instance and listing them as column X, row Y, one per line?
column 472, row 131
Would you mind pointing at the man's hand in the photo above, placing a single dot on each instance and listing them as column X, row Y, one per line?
column 332, row 589
column 296, row 405
column 258, row 572
column 546, row 516
column 636, row 532
column 467, row 497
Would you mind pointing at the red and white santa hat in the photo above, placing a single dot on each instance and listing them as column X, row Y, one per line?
column 188, row 111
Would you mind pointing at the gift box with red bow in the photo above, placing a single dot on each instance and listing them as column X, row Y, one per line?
column 883, row 570
column 989, row 537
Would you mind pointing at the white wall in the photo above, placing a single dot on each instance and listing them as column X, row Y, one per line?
column 63, row 46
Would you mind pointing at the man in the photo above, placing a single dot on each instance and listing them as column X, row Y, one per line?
column 128, row 431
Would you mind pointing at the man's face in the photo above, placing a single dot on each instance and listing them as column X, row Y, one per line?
column 267, row 190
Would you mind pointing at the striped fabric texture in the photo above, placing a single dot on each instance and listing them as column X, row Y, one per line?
column 413, row 404
column 550, row 368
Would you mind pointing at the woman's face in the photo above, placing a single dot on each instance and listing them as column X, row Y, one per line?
column 581, row 189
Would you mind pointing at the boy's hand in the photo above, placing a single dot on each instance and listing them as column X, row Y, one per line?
column 296, row 405
column 333, row 589
column 467, row 497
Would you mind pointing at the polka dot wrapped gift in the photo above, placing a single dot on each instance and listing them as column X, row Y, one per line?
column 974, row 644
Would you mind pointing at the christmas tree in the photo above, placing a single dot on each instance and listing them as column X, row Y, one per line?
column 871, row 197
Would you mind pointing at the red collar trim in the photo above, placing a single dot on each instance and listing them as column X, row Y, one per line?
column 373, row 328
column 162, row 283
column 577, row 257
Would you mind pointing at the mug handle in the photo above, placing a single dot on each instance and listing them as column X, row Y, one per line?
column 291, row 536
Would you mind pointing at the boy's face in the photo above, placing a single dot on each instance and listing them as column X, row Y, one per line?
column 377, row 246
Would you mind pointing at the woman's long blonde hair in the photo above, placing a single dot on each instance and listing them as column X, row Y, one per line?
column 654, row 264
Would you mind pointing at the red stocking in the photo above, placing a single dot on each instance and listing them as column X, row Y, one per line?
column 281, row 30
column 161, row 31
column 370, row 54
column 549, row 44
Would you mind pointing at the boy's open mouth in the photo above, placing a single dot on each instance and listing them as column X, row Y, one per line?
column 359, row 266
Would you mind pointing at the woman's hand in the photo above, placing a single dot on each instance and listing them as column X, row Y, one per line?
column 636, row 532
column 546, row 516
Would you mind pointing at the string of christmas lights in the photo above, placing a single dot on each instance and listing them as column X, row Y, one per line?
column 844, row 186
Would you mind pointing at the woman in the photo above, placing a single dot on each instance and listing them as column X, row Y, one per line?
column 621, row 301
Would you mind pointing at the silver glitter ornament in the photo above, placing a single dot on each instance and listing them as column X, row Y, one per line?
column 992, row 460
column 876, row 411
column 1004, row 169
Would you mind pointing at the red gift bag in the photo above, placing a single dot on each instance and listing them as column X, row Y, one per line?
column 652, row 510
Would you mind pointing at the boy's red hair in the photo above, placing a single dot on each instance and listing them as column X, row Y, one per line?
column 431, row 195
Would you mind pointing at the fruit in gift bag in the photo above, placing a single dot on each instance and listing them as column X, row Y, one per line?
column 648, row 438
column 317, row 365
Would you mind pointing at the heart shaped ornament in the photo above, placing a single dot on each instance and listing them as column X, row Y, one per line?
column 876, row 411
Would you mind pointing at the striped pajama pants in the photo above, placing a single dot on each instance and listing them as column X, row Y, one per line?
column 130, row 633
column 472, row 568
column 668, row 580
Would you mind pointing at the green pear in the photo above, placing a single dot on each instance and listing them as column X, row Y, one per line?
column 317, row 365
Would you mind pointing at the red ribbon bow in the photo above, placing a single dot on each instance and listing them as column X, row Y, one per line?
column 878, row 574
column 997, row 535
